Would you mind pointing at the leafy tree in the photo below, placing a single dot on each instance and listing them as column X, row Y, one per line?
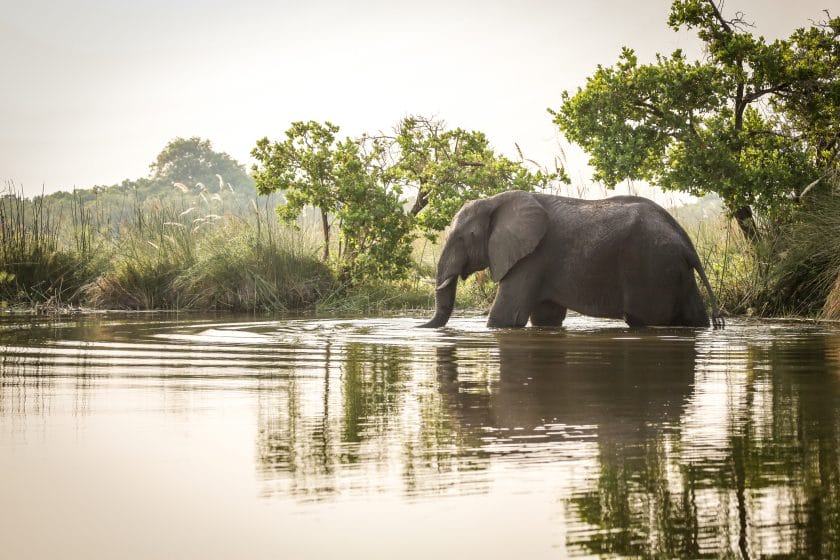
column 303, row 166
column 756, row 122
column 193, row 160
column 450, row 167
column 357, row 185
column 376, row 232
column 349, row 184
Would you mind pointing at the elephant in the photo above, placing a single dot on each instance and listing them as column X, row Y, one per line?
column 623, row 257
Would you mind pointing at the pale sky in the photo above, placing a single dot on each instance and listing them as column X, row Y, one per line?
column 92, row 90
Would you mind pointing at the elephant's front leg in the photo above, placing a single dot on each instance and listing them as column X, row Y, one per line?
column 547, row 314
column 514, row 301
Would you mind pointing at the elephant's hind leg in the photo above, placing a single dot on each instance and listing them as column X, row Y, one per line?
column 548, row 314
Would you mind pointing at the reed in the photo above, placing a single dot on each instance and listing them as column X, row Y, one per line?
column 252, row 266
column 187, row 257
column 803, row 279
column 42, row 265
column 148, row 253
column 731, row 263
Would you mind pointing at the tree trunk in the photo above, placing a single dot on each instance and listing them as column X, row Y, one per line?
column 746, row 221
column 326, row 225
column 421, row 201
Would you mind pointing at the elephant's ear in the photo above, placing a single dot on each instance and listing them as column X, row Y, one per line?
column 518, row 226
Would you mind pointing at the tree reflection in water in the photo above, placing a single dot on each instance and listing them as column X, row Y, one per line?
column 678, row 443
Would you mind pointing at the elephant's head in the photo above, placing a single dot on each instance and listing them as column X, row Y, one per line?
column 495, row 232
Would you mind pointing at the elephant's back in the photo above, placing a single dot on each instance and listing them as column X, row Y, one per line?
column 601, row 249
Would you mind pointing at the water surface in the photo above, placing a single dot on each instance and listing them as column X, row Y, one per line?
column 221, row 438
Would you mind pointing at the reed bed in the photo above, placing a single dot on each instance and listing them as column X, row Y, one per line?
column 186, row 256
column 183, row 257
column 186, row 259
column 804, row 278
column 41, row 267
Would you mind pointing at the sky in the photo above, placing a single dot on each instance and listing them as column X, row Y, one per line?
column 92, row 90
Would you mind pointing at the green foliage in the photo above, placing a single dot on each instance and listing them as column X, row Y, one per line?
column 755, row 121
column 302, row 166
column 450, row 167
column 376, row 233
column 348, row 185
column 358, row 186
column 476, row 292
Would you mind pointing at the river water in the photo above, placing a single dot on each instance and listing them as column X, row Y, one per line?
column 138, row 437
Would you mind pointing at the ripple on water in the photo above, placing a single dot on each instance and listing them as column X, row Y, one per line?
column 593, row 439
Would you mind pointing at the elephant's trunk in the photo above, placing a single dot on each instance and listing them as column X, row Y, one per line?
column 452, row 263
column 444, row 303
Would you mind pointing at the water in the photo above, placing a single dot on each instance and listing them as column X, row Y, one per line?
column 217, row 438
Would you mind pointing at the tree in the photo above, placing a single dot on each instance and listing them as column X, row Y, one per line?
column 450, row 167
column 357, row 185
column 376, row 232
column 193, row 160
column 349, row 184
column 756, row 122
column 304, row 167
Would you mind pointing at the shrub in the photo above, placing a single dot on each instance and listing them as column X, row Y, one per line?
column 236, row 269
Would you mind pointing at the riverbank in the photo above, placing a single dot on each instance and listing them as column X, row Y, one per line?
column 165, row 258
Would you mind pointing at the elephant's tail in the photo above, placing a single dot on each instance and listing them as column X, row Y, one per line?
column 717, row 316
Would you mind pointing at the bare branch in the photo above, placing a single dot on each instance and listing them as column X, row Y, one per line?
column 738, row 22
column 813, row 184
column 719, row 16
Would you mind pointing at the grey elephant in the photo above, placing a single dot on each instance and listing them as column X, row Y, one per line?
column 623, row 257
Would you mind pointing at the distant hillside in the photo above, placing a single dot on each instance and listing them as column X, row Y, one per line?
column 187, row 174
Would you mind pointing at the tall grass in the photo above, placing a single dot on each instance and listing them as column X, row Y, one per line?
column 730, row 262
column 147, row 255
column 185, row 256
column 793, row 271
column 240, row 268
column 39, row 267
column 804, row 277
column 191, row 259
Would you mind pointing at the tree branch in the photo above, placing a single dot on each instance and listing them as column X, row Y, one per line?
column 772, row 133
column 654, row 110
column 749, row 98
column 719, row 16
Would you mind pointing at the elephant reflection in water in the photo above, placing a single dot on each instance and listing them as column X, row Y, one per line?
column 625, row 387
column 652, row 497
column 625, row 395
